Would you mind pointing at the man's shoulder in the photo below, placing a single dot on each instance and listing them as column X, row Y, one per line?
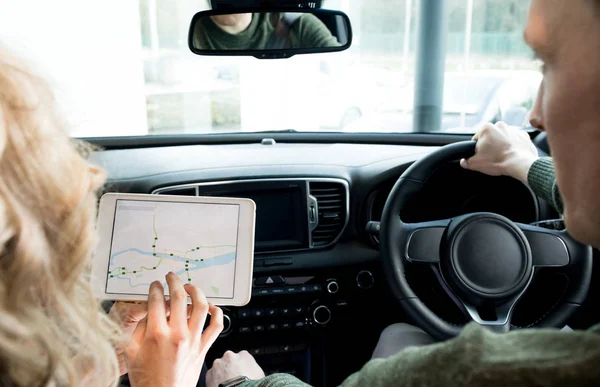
column 594, row 329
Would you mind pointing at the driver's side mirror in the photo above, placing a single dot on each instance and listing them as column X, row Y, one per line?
column 268, row 34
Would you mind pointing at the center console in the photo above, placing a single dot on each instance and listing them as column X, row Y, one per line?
column 299, row 319
column 292, row 320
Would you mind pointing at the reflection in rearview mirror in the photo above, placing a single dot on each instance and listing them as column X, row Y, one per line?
column 269, row 34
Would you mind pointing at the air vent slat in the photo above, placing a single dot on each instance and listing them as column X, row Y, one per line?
column 332, row 204
column 321, row 190
column 330, row 196
column 330, row 201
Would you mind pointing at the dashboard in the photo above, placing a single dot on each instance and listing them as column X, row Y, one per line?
column 317, row 271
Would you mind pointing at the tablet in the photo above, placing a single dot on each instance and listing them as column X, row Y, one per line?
column 206, row 241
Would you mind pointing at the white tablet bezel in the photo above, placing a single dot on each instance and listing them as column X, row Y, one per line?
column 244, row 252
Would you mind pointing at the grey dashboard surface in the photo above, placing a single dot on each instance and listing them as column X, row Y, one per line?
column 143, row 169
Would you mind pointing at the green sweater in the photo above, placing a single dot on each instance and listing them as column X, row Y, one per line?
column 479, row 357
column 542, row 180
column 307, row 32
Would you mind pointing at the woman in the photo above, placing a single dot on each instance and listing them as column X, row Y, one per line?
column 52, row 329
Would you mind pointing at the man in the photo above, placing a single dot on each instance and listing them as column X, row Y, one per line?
column 262, row 30
column 566, row 37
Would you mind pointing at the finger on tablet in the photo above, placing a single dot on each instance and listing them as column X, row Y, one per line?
column 157, row 319
column 178, row 303
column 199, row 310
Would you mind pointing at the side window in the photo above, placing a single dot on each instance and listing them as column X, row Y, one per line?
column 516, row 99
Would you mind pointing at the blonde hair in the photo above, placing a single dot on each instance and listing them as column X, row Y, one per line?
column 52, row 329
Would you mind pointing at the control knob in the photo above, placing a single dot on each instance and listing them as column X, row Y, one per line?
column 321, row 315
column 226, row 325
column 332, row 286
column 365, row 280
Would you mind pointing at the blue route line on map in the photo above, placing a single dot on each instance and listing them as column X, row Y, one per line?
column 192, row 264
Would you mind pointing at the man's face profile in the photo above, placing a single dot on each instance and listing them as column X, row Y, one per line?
column 565, row 36
column 233, row 23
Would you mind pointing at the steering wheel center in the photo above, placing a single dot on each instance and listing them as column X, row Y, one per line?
column 486, row 257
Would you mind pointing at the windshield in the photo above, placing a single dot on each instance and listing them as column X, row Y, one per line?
column 123, row 68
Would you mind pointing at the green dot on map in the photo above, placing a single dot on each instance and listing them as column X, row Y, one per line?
column 154, row 268
column 153, row 245
column 197, row 248
column 189, row 280
column 171, row 255
column 193, row 249
column 111, row 276
column 202, row 260
column 154, row 254
column 187, row 269
column 134, row 272
column 186, row 265
column 155, row 238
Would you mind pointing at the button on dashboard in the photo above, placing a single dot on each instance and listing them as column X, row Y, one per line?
column 291, row 289
column 298, row 310
column 271, row 280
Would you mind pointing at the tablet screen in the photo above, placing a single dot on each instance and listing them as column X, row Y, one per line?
column 196, row 241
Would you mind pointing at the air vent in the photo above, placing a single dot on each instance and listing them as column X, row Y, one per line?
column 332, row 205
column 182, row 191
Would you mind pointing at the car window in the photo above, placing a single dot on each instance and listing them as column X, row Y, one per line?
column 128, row 71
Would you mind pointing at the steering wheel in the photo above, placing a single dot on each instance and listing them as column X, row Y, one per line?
column 485, row 260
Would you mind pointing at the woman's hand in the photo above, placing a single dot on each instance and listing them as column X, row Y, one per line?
column 502, row 150
column 170, row 351
column 127, row 315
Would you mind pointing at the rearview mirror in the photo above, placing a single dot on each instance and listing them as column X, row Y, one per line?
column 269, row 34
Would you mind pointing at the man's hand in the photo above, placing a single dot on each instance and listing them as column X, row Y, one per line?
column 502, row 150
column 127, row 315
column 232, row 365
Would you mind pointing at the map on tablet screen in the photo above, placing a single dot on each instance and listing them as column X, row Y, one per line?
column 196, row 241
